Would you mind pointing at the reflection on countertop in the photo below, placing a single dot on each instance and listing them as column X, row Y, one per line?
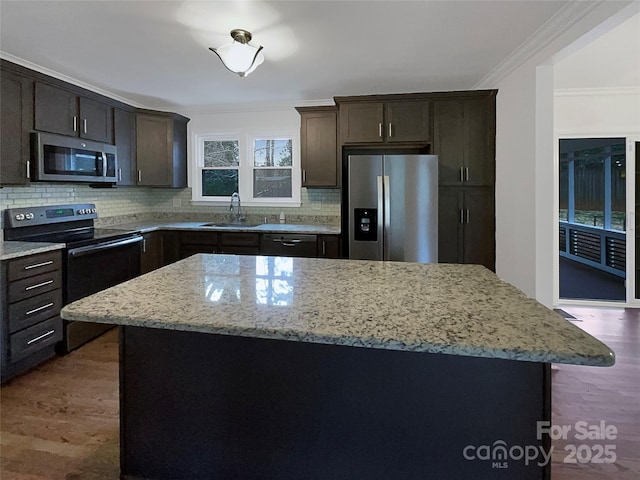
column 435, row 308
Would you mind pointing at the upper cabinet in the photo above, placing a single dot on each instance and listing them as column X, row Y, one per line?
column 124, row 134
column 161, row 149
column 319, row 146
column 464, row 140
column 390, row 121
column 16, row 113
column 64, row 112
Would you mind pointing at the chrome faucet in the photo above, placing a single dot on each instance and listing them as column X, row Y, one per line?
column 235, row 197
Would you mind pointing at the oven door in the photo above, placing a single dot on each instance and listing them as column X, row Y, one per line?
column 91, row 269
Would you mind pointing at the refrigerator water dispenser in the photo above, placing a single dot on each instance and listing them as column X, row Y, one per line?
column 366, row 224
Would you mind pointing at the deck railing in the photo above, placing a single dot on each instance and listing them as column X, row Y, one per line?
column 603, row 249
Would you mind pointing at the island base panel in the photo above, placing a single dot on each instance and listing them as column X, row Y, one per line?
column 196, row 405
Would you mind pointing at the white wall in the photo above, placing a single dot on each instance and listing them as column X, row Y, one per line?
column 525, row 160
column 597, row 111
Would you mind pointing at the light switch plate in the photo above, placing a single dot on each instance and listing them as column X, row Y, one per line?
column 177, row 202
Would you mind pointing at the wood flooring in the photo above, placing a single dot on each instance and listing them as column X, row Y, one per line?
column 60, row 421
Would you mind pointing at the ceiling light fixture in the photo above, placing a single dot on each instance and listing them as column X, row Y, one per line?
column 238, row 56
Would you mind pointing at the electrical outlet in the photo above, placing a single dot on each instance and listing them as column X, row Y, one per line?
column 177, row 202
column 316, row 205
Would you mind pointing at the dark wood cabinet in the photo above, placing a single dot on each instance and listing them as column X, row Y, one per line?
column 151, row 257
column 192, row 242
column 239, row 243
column 394, row 121
column 466, row 226
column 64, row 112
column 161, row 149
column 16, row 113
column 464, row 140
column 329, row 246
column 362, row 122
column 407, row 121
column 124, row 129
column 319, row 146
column 30, row 303
column 96, row 120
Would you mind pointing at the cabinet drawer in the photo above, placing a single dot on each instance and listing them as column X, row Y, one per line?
column 244, row 239
column 34, row 265
column 34, row 338
column 32, row 286
column 33, row 310
column 199, row 238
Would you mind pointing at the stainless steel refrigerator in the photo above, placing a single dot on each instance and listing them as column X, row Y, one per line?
column 392, row 207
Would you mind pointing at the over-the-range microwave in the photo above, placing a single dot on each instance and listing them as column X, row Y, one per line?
column 57, row 158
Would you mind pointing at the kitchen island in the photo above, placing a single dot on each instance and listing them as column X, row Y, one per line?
column 274, row 367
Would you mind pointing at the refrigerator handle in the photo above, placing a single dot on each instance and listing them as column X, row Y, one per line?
column 381, row 216
column 387, row 218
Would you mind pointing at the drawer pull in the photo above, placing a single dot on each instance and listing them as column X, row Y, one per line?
column 36, row 265
column 33, row 340
column 39, row 308
column 48, row 282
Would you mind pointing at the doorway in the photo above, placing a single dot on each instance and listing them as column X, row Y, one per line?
column 592, row 219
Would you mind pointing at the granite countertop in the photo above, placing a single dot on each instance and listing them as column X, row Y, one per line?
column 144, row 227
column 9, row 250
column 437, row 308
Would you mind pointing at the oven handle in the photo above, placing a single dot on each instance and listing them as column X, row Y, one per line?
column 88, row 250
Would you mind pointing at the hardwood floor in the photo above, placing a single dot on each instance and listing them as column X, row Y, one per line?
column 60, row 421
column 593, row 394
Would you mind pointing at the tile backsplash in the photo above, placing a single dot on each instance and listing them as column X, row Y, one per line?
column 320, row 204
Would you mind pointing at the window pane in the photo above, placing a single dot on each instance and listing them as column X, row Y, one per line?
column 272, row 183
column 221, row 153
column 272, row 153
column 589, row 190
column 219, row 182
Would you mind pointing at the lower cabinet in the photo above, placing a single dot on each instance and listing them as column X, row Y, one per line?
column 239, row 243
column 31, row 299
column 151, row 257
column 164, row 247
column 466, row 226
column 329, row 246
column 197, row 242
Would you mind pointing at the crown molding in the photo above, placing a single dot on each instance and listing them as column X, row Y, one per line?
column 65, row 78
column 564, row 18
column 596, row 92
column 251, row 107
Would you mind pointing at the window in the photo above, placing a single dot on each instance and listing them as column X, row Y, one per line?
column 263, row 169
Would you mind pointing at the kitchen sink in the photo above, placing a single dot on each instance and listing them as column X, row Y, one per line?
column 237, row 225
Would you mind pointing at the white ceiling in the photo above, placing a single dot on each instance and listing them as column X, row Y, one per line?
column 155, row 53
column 610, row 61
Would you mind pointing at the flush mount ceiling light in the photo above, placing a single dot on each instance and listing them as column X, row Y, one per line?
column 238, row 56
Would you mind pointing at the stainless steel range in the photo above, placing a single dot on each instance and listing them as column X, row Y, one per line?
column 94, row 258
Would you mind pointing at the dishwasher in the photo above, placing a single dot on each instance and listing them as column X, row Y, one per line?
column 289, row 245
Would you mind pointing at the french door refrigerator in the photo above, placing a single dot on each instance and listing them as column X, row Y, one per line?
column 392, row 207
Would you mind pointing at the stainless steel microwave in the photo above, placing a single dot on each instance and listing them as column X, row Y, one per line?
column 57, row 158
